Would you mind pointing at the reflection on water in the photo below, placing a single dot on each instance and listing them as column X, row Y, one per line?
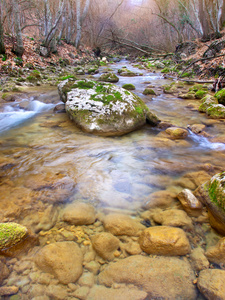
column 48, row 161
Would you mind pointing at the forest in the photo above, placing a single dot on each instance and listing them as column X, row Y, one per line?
column 145, row 25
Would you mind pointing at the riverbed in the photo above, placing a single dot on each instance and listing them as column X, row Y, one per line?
column 47, row 161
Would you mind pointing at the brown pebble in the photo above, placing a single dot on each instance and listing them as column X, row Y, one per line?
column 8, row 290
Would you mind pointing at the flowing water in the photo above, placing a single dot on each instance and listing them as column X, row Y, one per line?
column 115, row 174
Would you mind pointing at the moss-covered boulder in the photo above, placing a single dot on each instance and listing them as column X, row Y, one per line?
column 149, row 91
column 207, row 102
column 103, row 108
column 11, row 234
column 109, row 77
column 125, row 72
column 170, row 88
column 212, row 194
column 15, row 239
column 128, row 86
column 220, row 96
column 188, row 96
column 216, row 111
column 200, row 94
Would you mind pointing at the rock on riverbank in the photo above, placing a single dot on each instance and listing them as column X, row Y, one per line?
column 103, row 108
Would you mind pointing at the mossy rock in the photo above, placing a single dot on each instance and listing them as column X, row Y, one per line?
column 127, row 73
column 188, row 96
column 216, row 111
column 128, row 86
column 200, row 94
column 212, row 194
column 169, row 88
column 196, row 88
column 149, row 91
column 103, row 108
column 216, row 190
column 11, row 234
column 67, row 77
column 69, row 84
column 109, row 77
column 220, row 96
column 207, row 101
column 92, row 70
column 79, row 71
column 165, row 70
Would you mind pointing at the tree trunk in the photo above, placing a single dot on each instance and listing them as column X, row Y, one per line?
column 203, row 19
column 19, row 40
column 2, row 46
column 80, row 20
column 222, row 16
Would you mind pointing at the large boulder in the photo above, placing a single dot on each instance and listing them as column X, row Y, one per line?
column 103, row 108
column 161, row 277
column 64, row 260
column 212, row 194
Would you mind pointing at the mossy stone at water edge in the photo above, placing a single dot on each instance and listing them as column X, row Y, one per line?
column 128, row 86
column 216, row 190
column 207, row 101
column 216, row 111
column 149, row 91
column 221, row 96
column 212, row 194
column 104, row 108
column 11, row 234
column 109, row 77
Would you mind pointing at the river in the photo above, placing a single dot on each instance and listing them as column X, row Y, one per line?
column 115, row 174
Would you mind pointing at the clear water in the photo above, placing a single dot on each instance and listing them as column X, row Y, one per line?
column 114, row 174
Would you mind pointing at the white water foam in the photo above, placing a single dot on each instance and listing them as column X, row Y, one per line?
column 13, row 116
column 204, row 143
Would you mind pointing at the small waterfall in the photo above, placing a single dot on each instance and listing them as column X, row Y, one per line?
column 13, row 116
column 204, row 143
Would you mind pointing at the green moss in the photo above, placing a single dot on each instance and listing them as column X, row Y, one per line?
column 216, row 111
column 200, row 94
column 109, row 77
column 127, row 93
column 67, row 77
column 165, row 70
column 220, row 96
column 196, row 87
column 149, row 91
column 103, row 94
column 186, row 74
column 11, row 234
column 216, row 191
column 128, row 86
column 139, row 110
column 207, row 101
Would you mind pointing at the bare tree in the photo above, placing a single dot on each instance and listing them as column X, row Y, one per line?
column 19, row 40
column 80, row 19
column 2, row 46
